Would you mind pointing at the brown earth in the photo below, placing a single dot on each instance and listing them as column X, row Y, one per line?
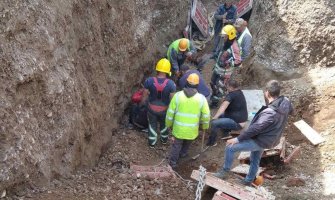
column 44, row 101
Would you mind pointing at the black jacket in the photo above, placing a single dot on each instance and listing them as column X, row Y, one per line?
column 266, row 128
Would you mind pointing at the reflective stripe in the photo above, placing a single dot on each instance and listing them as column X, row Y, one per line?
column 152, row 138
column 164, row 130
column 205, row 116
column 164, row 136
column 177, row 101
column 202, row 101
column 184, row 124
column 170, row 118
column 204, row 122
column 187, row 115
column 170, row 111
column 152, row 131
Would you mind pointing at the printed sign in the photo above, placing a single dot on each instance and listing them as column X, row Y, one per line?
column 200, row 17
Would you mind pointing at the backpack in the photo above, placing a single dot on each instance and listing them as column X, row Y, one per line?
column 137, row 96
column 157, row 106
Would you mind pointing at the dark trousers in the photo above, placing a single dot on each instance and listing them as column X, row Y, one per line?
column 178, row 148
column 154, row 120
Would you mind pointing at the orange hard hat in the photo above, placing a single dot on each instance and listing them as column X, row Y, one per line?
column 183, row 44
column 193, row 79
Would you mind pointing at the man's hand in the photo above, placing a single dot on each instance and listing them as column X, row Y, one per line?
column 177, row 73
column 173, row 139
column 232, row 141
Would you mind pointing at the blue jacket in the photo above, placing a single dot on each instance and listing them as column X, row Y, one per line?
column 202, row 87
column 266, row 128
column 231, row 16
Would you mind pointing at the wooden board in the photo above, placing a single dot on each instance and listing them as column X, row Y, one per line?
column 244, row 169
column 234, row 190
column 244, row 155
column 314, row 137
column 219, row 195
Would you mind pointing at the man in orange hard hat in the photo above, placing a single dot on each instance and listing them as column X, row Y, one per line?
column 177, row 53
column 188, row 110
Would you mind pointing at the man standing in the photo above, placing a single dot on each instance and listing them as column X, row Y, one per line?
column 225, row 14
column 264, row 132
column 160, row 90
column 187, row 110
column 229, row 59
column 177, row 53
column 244, row 37
column 232, row 114
column 202, row 87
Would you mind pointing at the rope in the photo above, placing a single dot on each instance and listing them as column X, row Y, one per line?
column 201, row 182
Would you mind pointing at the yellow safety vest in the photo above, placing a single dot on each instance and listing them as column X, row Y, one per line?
column 185, row 114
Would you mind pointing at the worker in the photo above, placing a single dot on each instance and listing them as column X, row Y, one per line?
column 224, row 15
column 244, row 37
column 264, row 132
column 229, row 59
column 202, row 87
column 187, row 110
column 177, row 53
column 232, row 114
column 158, row 91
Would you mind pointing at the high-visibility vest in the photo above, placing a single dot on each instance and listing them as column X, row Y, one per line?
column 175, row 45
column 240, row 39
column 186, row 114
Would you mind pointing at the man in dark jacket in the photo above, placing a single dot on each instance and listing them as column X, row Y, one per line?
column 264, row 132
column 202, row 87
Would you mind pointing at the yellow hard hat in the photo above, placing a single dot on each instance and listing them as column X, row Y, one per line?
column 163, row 65
column 193, row 79
column 183, row 44
column 230, row 31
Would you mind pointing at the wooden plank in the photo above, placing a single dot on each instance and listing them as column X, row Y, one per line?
column 244, row 169
column 314, row 137
column 293, row 154
column 219, row 195
column 234, row 190
column 277, row 150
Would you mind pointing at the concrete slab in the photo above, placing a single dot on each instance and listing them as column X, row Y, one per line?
column 255, row 100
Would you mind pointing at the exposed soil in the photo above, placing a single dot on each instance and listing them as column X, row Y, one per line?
column 66, row 72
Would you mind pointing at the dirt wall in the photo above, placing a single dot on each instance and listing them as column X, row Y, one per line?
column 290, row 37
column 67, row 69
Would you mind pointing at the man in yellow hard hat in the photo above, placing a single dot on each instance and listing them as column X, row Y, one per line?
column 229, row 58
column 159, row 91
column 177, row 53
column 187, row 110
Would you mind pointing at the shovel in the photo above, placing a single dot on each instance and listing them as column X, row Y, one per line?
column 202, row 147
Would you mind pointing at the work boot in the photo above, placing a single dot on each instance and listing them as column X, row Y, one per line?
column 212, row 144
column 243, row 182
column 222, row 174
